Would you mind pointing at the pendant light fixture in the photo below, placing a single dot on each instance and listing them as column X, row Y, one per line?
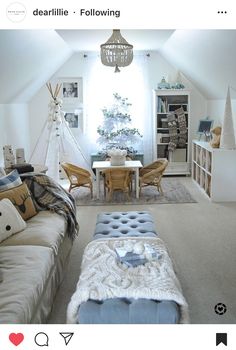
column 116, row 52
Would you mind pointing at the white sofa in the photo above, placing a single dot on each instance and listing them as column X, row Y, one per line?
column 31, row 264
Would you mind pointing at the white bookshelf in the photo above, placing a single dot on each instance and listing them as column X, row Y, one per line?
column 214, row 170
column 164, row 102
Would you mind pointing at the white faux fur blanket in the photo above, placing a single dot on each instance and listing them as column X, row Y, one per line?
column 103, row 277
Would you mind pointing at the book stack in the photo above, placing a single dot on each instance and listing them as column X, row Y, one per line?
column 132, row 259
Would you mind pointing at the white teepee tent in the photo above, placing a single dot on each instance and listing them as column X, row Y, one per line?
column 227, row 140
column 57, row 144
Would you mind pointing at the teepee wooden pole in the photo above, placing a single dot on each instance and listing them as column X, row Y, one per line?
column 49, row 86
column 58, row 90
column 55, row 91
column 51, row 90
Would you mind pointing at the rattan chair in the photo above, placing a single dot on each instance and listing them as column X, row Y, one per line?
column 117, row 179
column 78, row 177
column 130, row 174
column 151, row 174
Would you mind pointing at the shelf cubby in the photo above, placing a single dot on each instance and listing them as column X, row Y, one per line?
column 166, row 102
column 214, row 170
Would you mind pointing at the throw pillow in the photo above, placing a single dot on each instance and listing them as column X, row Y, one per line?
column 10, row 220
column 2, row 172
column 10, row 181
column 21, row 198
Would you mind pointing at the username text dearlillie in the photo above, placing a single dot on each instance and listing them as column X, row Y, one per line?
column 81, row 12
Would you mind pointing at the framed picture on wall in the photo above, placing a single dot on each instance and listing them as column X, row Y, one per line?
column 72, row 119
column 72, row 91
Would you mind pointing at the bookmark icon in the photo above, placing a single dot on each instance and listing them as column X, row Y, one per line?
column 66, row 336
column 221, row 338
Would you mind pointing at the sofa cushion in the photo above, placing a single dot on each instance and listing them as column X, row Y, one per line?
column 10, row 220
column 21, row 198
column 25, row 273
column 10, row 181
column 44, row 229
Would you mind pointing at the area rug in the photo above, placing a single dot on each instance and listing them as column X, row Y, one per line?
column 174, row 192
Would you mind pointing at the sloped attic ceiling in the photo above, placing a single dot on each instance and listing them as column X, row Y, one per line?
column 206, row 57
column 28, row 59
column 90, row 39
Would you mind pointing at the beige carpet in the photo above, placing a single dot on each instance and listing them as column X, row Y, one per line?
column 201, row 238
column 173, row 192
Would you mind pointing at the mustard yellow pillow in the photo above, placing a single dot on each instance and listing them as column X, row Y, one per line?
column 20, row 196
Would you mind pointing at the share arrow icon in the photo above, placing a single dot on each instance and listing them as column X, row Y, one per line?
column 67, row 336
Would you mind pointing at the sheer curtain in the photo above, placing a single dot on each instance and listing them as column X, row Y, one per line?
column 132, row 82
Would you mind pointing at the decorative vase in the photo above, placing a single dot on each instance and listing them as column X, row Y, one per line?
column 118, row 156
column 163, row 84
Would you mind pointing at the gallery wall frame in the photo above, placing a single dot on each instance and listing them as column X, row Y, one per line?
column 72, row 97
column 71, row 90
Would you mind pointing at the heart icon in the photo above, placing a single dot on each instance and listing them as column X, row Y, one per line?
column 16, row 338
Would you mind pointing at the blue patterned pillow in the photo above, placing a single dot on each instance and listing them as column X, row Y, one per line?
column 10, row 181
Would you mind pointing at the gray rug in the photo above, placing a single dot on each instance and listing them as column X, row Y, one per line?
column 173, row 192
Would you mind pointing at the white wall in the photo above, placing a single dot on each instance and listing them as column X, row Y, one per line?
column 198, row 107
column 14, row 127
column 79, row 66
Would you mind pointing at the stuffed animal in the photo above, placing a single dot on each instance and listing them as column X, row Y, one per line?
column 216, row 133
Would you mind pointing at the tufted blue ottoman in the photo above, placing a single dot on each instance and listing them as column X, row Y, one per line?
column 124, row 224
column 128, row 311
column 123, row 310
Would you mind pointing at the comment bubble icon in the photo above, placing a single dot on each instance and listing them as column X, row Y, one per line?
column 41, row 339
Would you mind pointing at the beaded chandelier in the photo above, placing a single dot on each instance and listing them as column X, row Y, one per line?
column 116, row 52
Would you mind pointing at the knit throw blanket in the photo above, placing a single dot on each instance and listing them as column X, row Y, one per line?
column 49, row 195
column 104, row 277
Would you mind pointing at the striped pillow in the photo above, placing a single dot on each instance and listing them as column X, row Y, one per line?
column 10, row 181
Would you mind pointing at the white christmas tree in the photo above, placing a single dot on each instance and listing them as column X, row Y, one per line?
column 115, row 131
